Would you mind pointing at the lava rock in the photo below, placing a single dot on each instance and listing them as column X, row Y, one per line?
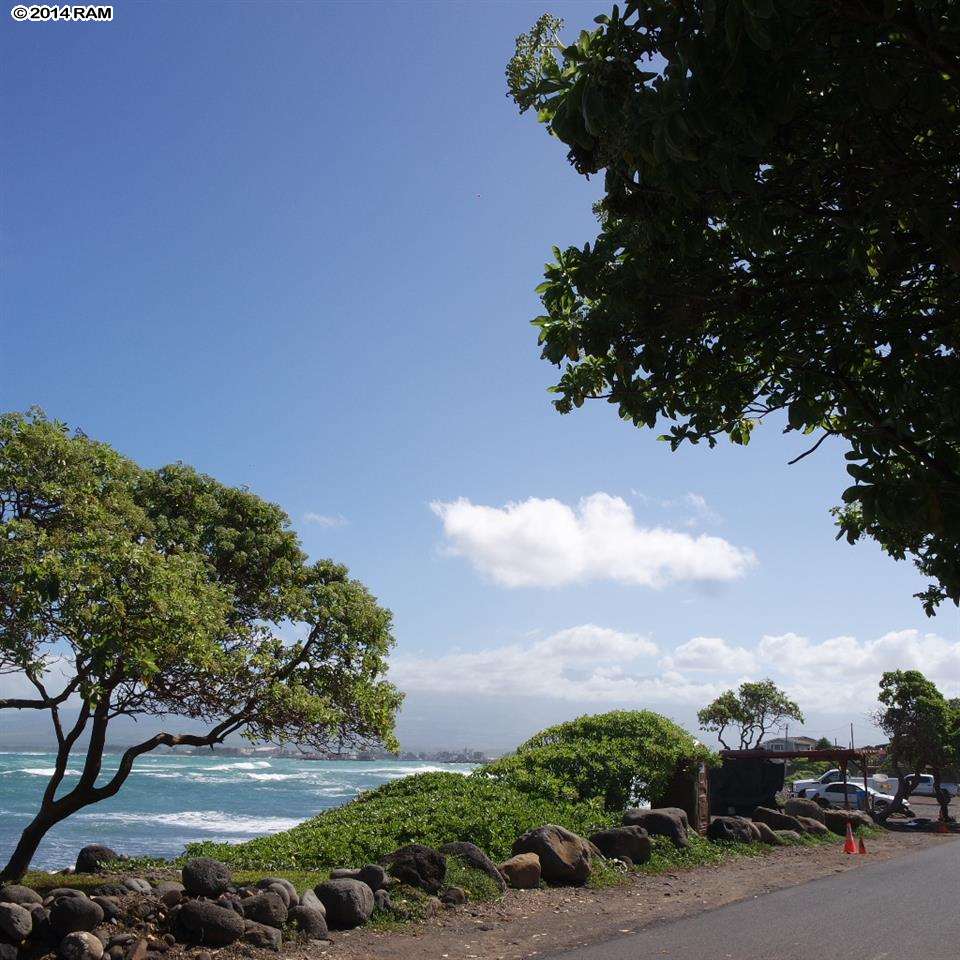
column 268, row 883
column 136, row 950
column 74, row 914
column 837, row 820
column 669, row 822
column 8, row 951
column 813, row 827
column 453, row 896
column 776, row 819
column 16, row 922
column 564, row 856
column 311, row 923
column 347, row 903
column 311, row 900
column 418, row 866
column 16, row 893
column 345, row 873
column 767, row 834
column 266, row 908
column 80, row 945
column 382, row 901
column 166, row 886
column 261, row 935
column 730, row 829
column 632, row 843
column 374, row 876
column 787, row 836
column 476, row 858
column 58, row 892
column 801, row 807
column 137, row 885
column 203, row 922
column 92, row 858
column 110, row 907
column 522, row 872
column 203, row 877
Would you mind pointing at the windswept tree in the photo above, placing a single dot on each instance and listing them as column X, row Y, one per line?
column 127, row 592
column 750, row 713
column 924, row 732
column 779, row 236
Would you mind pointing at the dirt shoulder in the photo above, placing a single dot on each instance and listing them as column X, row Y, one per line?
column 537, row 923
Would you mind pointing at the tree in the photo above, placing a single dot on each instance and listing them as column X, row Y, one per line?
column 619, row 758
column 823, row 744
column 754, row 710
column 779, row 235
column 923, row 731
column 127, row 592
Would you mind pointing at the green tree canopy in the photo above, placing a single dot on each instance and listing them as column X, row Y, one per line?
column 753, row 710
column 619, row 758
column 133, row 592
column 923, row 728
column 779, row 232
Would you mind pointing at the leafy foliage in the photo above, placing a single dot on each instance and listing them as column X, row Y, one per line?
column 753, row 710
column 619, row 758
column 429, row 808
column 778, row 232
column 163, row 592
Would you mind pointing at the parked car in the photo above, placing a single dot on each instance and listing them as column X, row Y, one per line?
column 800, row 787
column 831, row 795
column 925, row 787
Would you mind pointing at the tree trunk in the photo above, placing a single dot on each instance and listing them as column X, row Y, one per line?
column 943, row 798
column 905, row 787
column 23, row 853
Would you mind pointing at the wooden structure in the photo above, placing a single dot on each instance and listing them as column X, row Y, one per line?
column 689, row 789
column 837, row 755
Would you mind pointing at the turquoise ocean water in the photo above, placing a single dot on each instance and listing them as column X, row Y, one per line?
column 171, row 800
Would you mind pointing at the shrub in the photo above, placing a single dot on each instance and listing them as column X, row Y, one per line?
column 430, row 808
column 619, row 758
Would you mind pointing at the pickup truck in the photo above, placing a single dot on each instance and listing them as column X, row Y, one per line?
column 831, row 795
column 883, row 785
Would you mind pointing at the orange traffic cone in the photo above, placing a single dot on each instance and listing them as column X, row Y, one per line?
column 942, row 826
column 863, row 846
column 849, row 845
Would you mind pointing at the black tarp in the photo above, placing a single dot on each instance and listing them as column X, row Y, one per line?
column 740, row 786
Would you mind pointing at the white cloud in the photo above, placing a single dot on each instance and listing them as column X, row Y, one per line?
column 710, row 654
column 325, row 520
column 598, row 665
column 545, row 543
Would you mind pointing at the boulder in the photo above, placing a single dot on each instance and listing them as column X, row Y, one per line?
column 347, row 903
column 109, row 890
column 110, row 907
column 453, row 896
column 203, row 922
column 168, row 886
column 16, row 922
column 522, row 872
column 813, row 827
column 58, row 892
column 268, row 883
column 787, row 836
column 311, row 900
column 311, row 923
column 80, row 945
column 564, row 857
column 777, row 820
column 8, row 951
column 382, row 901
column 137, row 885
column 374, row 876
column 418, row 866
column 203, row 877
column 632, row 843
column 136, row 949
column 16, row 893
column 72, row 914
column 267, row 908
column 345, row 873
column 471, row 854
column 731, row 829
column 801, row 807
column 767, row 834
column 261, row 935
column 669, row 822
column 837, row 820
column 92, row 858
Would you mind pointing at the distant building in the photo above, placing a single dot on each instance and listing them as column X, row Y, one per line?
column 782, row 744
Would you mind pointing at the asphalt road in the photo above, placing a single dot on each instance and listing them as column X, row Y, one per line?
column 902, row 909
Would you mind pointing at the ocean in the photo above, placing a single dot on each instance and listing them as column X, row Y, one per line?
column 171, row 800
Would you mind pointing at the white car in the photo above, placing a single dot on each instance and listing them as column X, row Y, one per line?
column 831, row 795
column 925, row 787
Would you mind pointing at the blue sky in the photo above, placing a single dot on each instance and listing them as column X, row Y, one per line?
column 295, row 245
